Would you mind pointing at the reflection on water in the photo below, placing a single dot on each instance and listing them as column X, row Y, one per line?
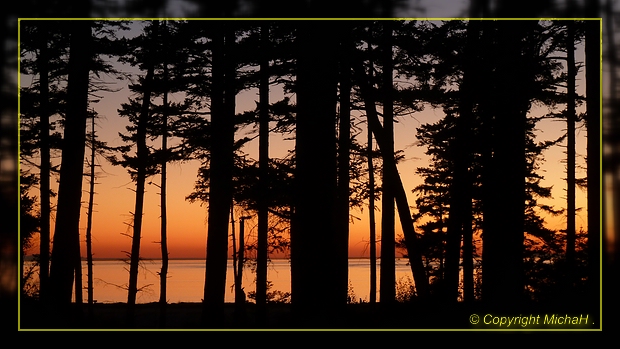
column 186, row 279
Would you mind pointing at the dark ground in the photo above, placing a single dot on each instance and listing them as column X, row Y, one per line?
column 33, row 316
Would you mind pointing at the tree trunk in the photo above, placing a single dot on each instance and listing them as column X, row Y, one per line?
column 163, row 274
column 263, row 164
column 570, row 157
column 240, row 299
column 220, row 186
column 387, row 279
column 413, row 249
column 44, row 250
column 467, row 91
column 234, row 252
column 142, row 154
column 314, row 274
column 505, row 181
column 371, row 218
column 89, row 224
column 66, row 246
column 344, row 145
column 78, row 279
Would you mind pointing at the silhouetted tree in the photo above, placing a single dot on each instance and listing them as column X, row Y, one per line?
column 343, row 194
column 66, row 247
column 372, row 224
column 41, row 103
column 263, row 159
column 387, row 278
column 89, row 225
column 453, row 62
column 570, row 151
column 400, row 197
column 223, row 92
column 144, row 53
column 29, row 226
column 314, row 279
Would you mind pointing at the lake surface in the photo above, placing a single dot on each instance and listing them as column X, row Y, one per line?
column 186, row 279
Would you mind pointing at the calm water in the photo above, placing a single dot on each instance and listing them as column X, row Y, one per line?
column 186, row 279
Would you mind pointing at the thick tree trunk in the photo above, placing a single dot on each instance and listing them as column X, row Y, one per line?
column 344, row 145
column 315, row 282
column 220, row 186
column 505, row 181
column 66, row 246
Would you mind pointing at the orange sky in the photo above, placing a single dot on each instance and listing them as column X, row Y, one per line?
column 114, row 199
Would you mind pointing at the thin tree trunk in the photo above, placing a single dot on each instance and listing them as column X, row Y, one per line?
column 371, row 218
column 263, row 159
column 387, row 286
column 455, row 223
column 163, row 274
column 89, row 224
column 235, row 251
column 141, row 154
column 240, row 299
column 406, row 221
column 44, row 250
column 570, row 157
column 78, row 279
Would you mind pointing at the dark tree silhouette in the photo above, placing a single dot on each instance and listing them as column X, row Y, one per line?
column 406, row 221
column 141, row 167
column 387, row 278
column 372, row 223
column 263, row 166
column 482, row 178
column 42, row 104
column 570, row 153
column 89, row 224
column 343, row 194
column 223, row 94
column 66, row 248
column 314, row 279
column 44, row 254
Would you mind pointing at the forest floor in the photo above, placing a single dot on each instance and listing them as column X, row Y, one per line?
column 280, row 316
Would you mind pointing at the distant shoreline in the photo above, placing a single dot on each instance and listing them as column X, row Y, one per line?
column 32, row 258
